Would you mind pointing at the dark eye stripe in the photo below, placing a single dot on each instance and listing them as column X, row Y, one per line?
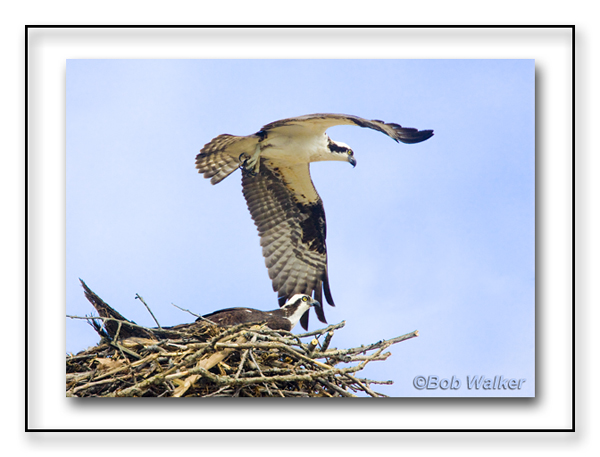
column 335, row 148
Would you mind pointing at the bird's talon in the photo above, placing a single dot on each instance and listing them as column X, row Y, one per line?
column 248, row 172
column 249, row 169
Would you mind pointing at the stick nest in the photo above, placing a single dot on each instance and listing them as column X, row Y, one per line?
column 204, row 360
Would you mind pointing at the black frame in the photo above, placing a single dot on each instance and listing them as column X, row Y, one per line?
column 326, row 430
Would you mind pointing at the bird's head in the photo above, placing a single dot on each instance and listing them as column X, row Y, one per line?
column 341, row 151
column 296, row 306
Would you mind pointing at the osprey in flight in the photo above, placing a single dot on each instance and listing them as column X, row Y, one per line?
column 284, row 318
column 281, row 197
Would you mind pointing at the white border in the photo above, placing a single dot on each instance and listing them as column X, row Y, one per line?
column 48, row 51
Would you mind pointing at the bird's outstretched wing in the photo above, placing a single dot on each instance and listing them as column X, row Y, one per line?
column 221, row 156
column 292, row 233
column 319, row 123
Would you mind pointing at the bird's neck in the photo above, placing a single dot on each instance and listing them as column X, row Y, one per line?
column 295, row 315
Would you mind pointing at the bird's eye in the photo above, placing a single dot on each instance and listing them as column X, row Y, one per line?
column 304, row 298
column 349, row 152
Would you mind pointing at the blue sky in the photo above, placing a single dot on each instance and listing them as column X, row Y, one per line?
column 437, row 237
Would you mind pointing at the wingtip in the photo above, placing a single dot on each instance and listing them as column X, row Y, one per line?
column 417, row 136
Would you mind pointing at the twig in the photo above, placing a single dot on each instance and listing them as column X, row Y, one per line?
column 139, row 297
column 370, row 347
column 312, row 346
column 116, row 337
column 322, row 331
column 365, row 387
column 124, row 349
column 327, row 340
column 243, row 360
column 100, row 318
column 194, row 314
column 260, row 371
column 332, row 386
column 284, row 347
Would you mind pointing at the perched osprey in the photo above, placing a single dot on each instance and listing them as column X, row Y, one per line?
column 281, row 197
column 284, row 318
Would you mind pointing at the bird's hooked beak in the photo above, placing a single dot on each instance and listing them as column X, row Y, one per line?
column 352, row 161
